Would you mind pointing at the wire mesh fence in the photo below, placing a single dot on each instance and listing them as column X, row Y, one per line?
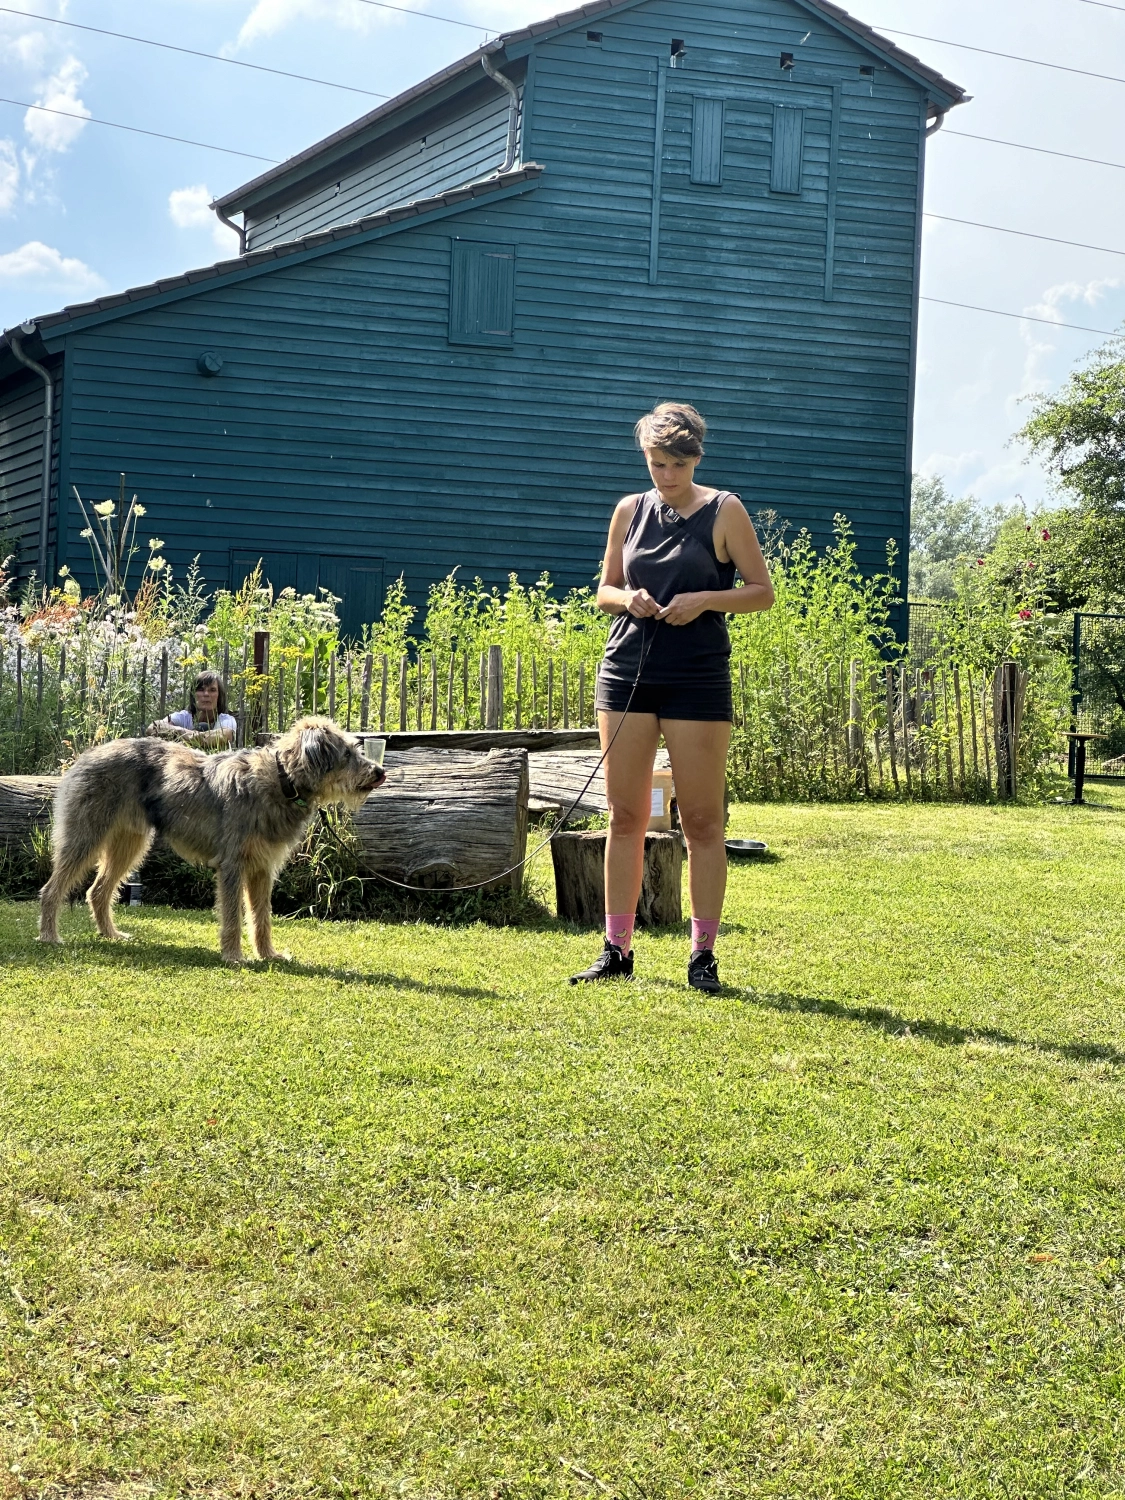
column 1098, row 660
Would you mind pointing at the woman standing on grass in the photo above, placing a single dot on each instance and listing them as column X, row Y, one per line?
column 668, row 576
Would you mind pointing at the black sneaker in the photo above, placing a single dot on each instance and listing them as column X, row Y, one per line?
column 610, row 963
column 703, row 972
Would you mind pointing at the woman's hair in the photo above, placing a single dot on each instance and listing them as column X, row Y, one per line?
column 673, row 427
column 205, row 680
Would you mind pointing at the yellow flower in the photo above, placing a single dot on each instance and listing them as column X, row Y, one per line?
column 64, row 572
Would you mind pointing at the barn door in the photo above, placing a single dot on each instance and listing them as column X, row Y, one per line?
column 356, row 581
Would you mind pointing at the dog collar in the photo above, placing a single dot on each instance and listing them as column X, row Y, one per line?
column 288, row 790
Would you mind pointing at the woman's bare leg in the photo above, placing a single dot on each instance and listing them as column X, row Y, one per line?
column 628, row 786
column 698, row 751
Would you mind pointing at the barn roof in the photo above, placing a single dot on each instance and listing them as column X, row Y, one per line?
column 943, row 93
column 388, row 220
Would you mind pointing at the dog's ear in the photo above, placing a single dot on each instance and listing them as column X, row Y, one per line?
column 318, row 753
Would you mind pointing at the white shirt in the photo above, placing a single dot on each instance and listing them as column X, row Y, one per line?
column 225, row 723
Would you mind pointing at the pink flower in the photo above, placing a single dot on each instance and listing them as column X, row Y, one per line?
column 1046, row 536
column 1027, row 527
column 1025, row 614
column 980, row 562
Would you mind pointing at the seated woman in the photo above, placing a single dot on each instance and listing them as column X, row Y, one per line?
column 205, row 724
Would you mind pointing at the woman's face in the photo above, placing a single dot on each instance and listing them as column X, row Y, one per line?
column 673, row 476
column 207, row 701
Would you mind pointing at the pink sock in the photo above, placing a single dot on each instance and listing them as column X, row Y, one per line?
column 704, row 931
column 619, row 931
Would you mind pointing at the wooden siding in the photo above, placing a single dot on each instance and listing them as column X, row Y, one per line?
column 345, row 421
column 458, row 150
column 21, row 467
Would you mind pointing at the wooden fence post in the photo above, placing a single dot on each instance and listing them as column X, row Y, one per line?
column 494, row 706
column 433, row 690
column 162, row 711
column 565, row 696
column 906, row 737
column 449, row 690
column 332, row 686
column 365, row 692
column 348, row 690
column 1009, row 687
column 141, row 726
column 403, row 691
column 519, row 689
column 551, row 693
column 959, row 715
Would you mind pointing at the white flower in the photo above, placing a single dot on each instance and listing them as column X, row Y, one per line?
column 64, row 572
column 105, row 508
column 113, row 598
column 87, row 533
column 154, row 543
column 138, row 510
column 155, row 564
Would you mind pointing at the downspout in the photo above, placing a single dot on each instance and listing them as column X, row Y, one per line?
column 513, row 111
column 48, row 444
column 938, row 123
column 238, row 228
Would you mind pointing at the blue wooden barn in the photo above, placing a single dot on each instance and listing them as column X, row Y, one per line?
column 446, row 317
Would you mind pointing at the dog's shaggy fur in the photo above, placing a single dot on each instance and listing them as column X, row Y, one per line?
column 242, row 812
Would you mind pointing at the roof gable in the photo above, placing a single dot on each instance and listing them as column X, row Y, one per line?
column 324, row 155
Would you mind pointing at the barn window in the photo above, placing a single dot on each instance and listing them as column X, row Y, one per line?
column 707, row 142
column 482, row 293
column 788, row 144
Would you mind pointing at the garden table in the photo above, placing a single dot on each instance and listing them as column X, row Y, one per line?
column 1080, row 736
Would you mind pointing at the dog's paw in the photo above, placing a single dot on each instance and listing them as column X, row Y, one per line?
column 276, row 956
column 51, row 938
column 235, row 960
column 117, row 936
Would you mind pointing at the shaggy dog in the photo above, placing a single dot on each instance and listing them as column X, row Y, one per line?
column 242, row 812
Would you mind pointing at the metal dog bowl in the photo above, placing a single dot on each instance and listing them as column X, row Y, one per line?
column 747, row 848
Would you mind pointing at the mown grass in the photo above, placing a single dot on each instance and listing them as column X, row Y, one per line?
column 414, row 1218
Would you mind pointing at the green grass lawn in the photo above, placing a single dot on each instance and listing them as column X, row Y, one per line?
column 414, row 1218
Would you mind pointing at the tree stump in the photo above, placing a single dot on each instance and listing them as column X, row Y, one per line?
column 580, row 878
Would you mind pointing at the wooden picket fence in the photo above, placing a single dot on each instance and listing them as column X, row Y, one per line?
column 836, row 730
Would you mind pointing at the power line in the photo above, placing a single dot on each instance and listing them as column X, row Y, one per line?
column 449, row 20
column 1035, row 62
column 1103, row 5
column 235, row 62
column 1023, row 233
column 180, row 140
column 1023, row 317
column 1042, row 150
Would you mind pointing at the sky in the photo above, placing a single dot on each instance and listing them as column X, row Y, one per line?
column 85, row 209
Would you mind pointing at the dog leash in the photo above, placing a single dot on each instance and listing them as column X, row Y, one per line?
column 448, row 890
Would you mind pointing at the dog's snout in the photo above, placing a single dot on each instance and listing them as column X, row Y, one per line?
column 375, row 777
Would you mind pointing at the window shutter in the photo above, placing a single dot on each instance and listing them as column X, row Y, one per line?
column 482, row 293
column 707, row 142
column 788, row 143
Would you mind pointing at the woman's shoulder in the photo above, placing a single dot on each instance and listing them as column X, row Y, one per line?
column 181, row 718
column 228, row 721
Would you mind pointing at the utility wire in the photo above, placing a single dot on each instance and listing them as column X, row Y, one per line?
column 1042, row 150
column 1102, row 5
column 235, row 62
column 1025, row 234
column 449, row 20
column 180, row 140
column 1035, row 62
column 1023, row 317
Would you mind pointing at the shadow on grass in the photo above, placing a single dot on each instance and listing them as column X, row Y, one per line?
column 142, row 956
column 941, row 1033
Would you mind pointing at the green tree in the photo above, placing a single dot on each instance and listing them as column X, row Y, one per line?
column 942, row 532
column 1079, row 433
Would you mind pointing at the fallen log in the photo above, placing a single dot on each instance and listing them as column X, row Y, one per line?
column 446, row 818
column 558, row 776
column 442, row 818
column 579, row 860
column 25, row 803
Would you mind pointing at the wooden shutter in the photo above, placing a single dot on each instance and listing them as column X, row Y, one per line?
column 482, row 293
column 707, row 142
column 788, row 144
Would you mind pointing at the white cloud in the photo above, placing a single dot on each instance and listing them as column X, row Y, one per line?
column 189, row 208
column 9, row 176
column 58, row 132
column 42, row 263
column 268, row 17
column 1052, row 306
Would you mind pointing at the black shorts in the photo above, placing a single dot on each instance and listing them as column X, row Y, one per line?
column 708, row 700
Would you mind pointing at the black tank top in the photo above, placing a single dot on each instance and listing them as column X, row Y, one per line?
column 668, row 554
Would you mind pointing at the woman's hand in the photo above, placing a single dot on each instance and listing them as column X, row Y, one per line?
column 640, row 604
column 684, row 608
